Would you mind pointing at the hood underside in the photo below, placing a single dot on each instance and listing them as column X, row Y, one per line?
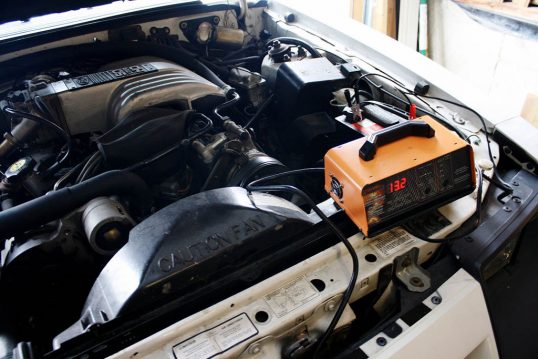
column 27, row 9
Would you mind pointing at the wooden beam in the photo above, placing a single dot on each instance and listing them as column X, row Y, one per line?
column 358, row 10
column 384, row 17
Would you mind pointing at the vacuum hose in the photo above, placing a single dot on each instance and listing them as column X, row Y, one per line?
column 58, row 203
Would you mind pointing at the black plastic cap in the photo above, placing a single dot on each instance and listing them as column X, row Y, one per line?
column 422, row 88
column 349, row 69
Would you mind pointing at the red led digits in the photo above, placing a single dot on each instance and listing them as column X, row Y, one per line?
column 398, row 184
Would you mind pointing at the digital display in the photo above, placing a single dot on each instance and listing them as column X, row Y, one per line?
column 398, row 184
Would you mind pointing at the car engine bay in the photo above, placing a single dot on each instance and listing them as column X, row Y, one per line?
column 132, row 173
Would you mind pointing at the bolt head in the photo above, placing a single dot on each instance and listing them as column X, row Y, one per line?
column 289, row 17
column 381, row 341
column 330, row 307
column 416, row 281
column 255, row 349
column 485, row 164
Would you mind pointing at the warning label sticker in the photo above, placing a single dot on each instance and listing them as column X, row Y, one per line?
column 291, row 296
column 216, row 340
column 392, row 241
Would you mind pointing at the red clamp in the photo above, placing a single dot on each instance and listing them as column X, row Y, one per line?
column 412, row 111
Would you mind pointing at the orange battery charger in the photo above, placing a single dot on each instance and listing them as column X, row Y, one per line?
column 399, row 172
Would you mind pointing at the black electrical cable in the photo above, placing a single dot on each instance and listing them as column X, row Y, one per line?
column 385, row 92
column 495, row 182
column 477, row 214
column 93, row 169
column 51, row 125
column 472, row 135
column 332, row 53
column 296, row 41
column 90, row 165
column 407, row 101
column 221, row 71
column 503, row 185
column 241, row 59
column 95, row 160
column 208, row 126
column 69, row 173
column 258, row 113
column 221, row 162
column 400, row 85
column 231, row 54
column 254, row 186
column 364, row 93
column 42, row 106
column 372, row 74
column 435, row 114
column 37, row 119
column 153, row 159
column 507, row 187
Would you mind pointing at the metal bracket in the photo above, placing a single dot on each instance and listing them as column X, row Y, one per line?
column 527, row 166
column 189, row 27
column 410, row 273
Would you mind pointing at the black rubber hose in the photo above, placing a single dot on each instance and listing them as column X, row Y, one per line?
column 113, row 51
column 298, row 42
column 238, row 60
column 258, row 113
column 57, row 204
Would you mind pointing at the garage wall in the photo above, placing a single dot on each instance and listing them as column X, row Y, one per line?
column 501, row 65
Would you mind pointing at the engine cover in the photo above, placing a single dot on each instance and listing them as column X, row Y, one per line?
column 98, row 101
column 186, row 245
